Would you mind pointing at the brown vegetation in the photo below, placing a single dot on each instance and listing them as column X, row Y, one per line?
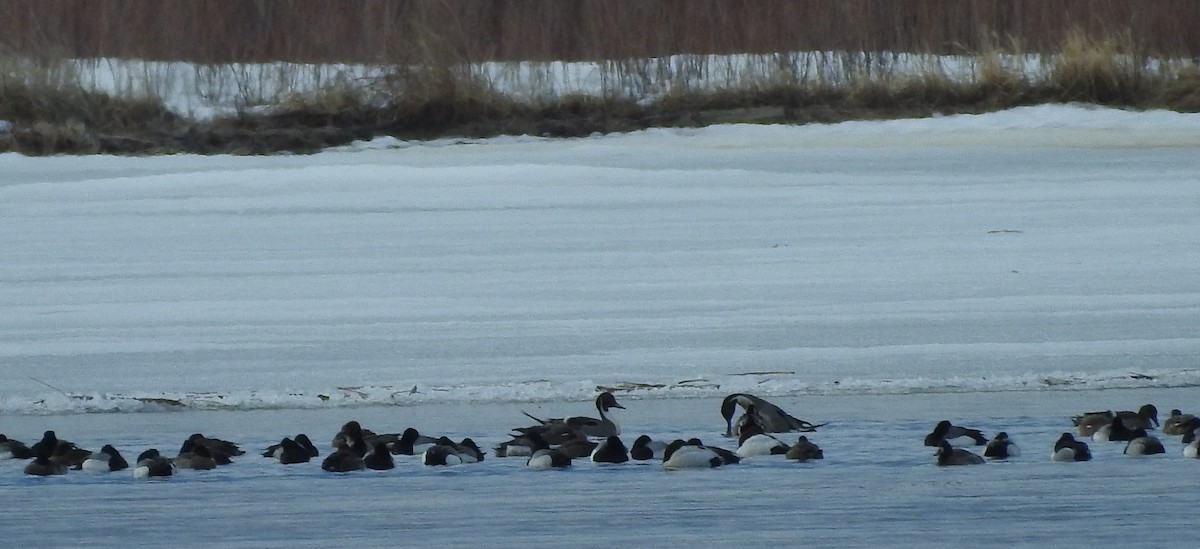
column 1130, row 54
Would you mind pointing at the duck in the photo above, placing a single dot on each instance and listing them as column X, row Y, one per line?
column 195, row 456
column 1143, row 444
column 412, row 442
column 222, row 451
column 1114, row 431
column 49, row 442
column 343, row 460
column 761, row 445
column 108, row 459
column 43, row 466
column 379, row 458
column 606, row 426
column 353, row 437
column 69, row 455
column 946, row 431
column 153, row 464
column 441, row 454
column 14, row 449
column 295, row 448
column 1088, row 423
column 644, row 448
column 681, row 454
column 612, row 450
column 1178, row 423
column 770, row 417
column 1192, row 449
column 548, row 458
column 1001, row 447
column 469, row 451
column 803, row 450
column 948, row 455
column 1069, row 449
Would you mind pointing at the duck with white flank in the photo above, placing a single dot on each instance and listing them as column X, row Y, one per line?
column 1001, row 447
column 1069, row 449
column 644, row 448
column 14, row 449
column 412, row 442
column 1143, row 444
column 1088, row 423
column 379, row 458
column 611, row 450
column 752, row 441
column 803, row 450
column 692, row 453
column 1116, row 430
column 108, row 459
column 946, row 431
column 605, row 426
column 153, row 464
column 448, row 452
column 949, row 455
column 770, row 417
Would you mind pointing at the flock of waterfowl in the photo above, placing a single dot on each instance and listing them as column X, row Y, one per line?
column 555, row 443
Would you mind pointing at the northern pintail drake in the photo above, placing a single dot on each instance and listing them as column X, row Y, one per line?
column 1179, row 423
column 1143, row 444
column 949, row 455
column 1069, row 449
column 343, row 460
column 412, row 442
column 379, row 458
column 1001, row 447
column 106, row 460
column 1114, row 431
column 193, row 455
column 770, row 417
column 644, row 448
column 605, row 426
column 803, row 450
column 946, row 431
column 14, row 449
column 611, row 450
column 153, row 464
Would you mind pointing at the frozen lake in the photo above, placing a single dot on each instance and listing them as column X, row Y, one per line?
column 1005, row 270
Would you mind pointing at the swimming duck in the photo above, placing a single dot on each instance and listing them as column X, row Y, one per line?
column 469, row 451
column 1179, row 423
column 644, row 448
column 1114, row 431
column 1143, row 444
column 69, row 455
column 761, row 445
column 379, row 458
column 106, row 460
column 353, row 437
column 612, row 450
column 195, row 456
column 43, row 466
column 770, row 417
column 1069, row 449
column 946, row 431
column 343, row 460
column 681, row 454
column 49, row 442
column 1088, row 423
column 290, row 451
column 949, row 455
column 548, row 458
column 152, row 464
column 803, row 450
column 1001, row 447
column 220, row 450
column 14, row 449
column 1192, row 449
column 441, row 454
column 606, row 426
column 412, row 442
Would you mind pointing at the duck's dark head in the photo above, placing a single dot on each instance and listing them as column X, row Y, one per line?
column 606, row 401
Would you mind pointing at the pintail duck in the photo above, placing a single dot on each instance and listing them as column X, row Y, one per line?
column 946, row 431
column 612, row 450
column 606, row 426
column 949, row 455
column 770, row 417
column 106, row 460
column 1069, row 449
column 1001, row 447
column 14, row 449
column 1143, row 444
column 803, row 450
column 644, row 448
